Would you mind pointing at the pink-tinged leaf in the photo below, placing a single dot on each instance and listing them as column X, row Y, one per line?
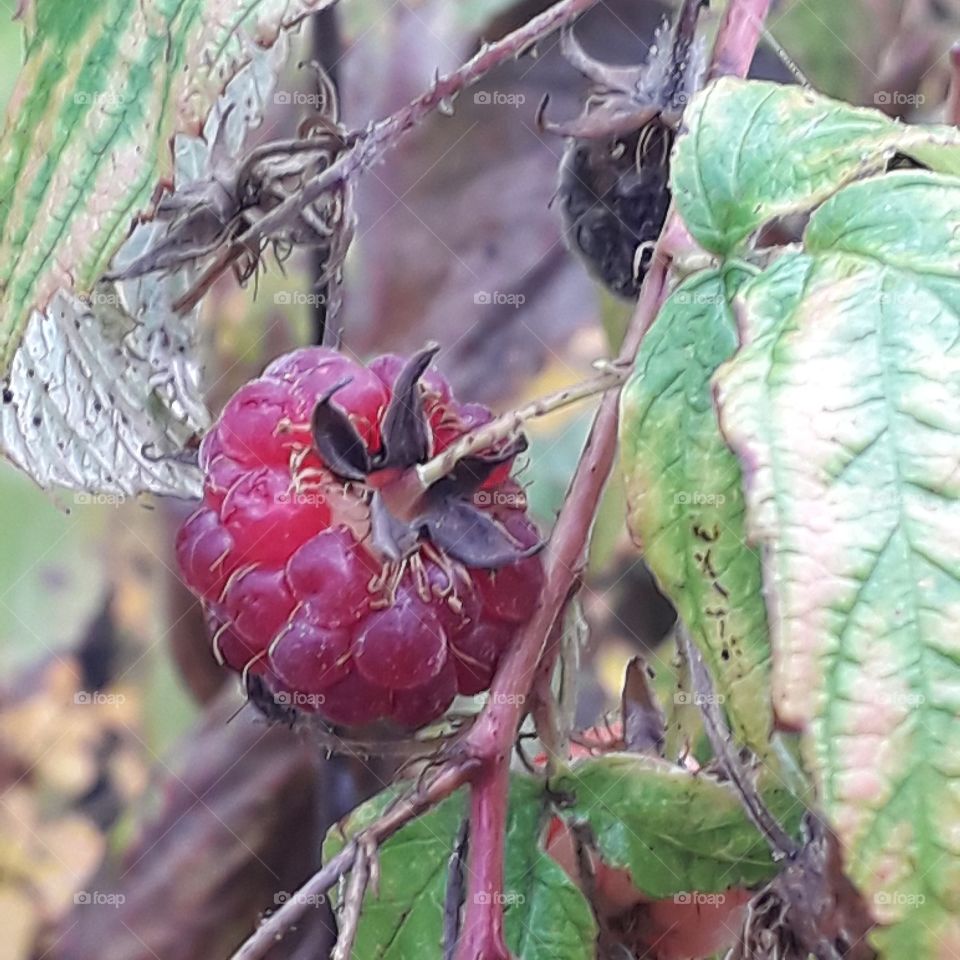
column 844, row 407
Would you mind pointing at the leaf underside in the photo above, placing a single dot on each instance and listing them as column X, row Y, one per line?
column 96, row 388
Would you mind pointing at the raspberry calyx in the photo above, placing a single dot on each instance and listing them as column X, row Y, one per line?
column 403, row 512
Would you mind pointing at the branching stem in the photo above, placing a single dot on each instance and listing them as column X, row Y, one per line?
column 428, row 794
column 738, row 772
column 481, row 757
column 737, row 38
column 369, row 147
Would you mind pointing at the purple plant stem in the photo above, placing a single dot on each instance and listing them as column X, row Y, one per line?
column 737, row 38
column 491, row 739
column 565, row 553
column 482, row 934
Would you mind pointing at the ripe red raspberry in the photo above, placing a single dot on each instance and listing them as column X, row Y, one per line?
column 350, row 591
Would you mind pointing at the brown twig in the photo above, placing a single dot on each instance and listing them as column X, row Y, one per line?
column 818, row 906
column 273, row 928
column 353, row 902
column 487, row 436
column 430, row 792
column 369, row 147
column 544, row 707
column 453, row 898
column 739, row 774
column 327, row 50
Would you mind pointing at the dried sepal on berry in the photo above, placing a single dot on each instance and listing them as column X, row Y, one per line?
column 206, row 219
column 406, row 432
column 337, row 440
column 402, row 512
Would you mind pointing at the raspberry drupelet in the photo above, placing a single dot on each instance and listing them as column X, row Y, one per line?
column 327, row 573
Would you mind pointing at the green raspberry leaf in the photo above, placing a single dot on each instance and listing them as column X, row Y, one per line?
column 757, row 150
column 686, row 506
column 844, row 407
column 545, row 915
column 676, row 832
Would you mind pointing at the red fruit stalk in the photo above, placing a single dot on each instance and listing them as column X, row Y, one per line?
column 327, row 572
